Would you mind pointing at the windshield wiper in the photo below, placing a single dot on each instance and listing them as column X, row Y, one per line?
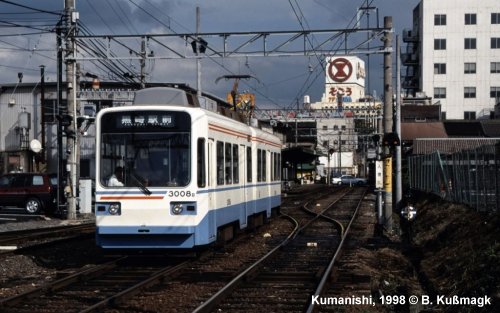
column 140, row 184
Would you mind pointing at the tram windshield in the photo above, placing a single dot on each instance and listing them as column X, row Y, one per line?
column 145, row 149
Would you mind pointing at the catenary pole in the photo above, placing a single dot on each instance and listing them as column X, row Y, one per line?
column 198, row 59
column 388, row 123
column 71, row 86
column 60, row 172
column 399, row 183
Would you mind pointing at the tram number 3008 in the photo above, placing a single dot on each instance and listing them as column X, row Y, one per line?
column 181, row 193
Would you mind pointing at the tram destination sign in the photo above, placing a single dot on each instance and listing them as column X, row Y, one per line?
column 146, row 120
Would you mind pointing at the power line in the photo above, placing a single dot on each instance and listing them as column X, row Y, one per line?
column 100, row 16
column 150, row 15
column 98, row 49
column 130, row 25
column 304, row 89
column 30, row 8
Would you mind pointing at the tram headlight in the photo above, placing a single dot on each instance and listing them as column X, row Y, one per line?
column 177, row 209
column 114, row 209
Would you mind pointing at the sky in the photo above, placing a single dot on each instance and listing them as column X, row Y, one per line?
column 27, row 40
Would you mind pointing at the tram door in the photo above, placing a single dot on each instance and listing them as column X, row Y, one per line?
column 242, row 161
column 211, row 184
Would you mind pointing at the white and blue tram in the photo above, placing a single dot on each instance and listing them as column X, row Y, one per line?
column 188, row 175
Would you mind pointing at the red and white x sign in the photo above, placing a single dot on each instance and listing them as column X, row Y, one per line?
column 340, row 70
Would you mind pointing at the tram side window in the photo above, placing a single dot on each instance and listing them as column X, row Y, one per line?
column 278, row 166
column 220, row 163
column 228, row 164
column 202, row 180
column 236, row 160
column 272, row 166
column 249, row 164
column 264, row 165
column 259, row 165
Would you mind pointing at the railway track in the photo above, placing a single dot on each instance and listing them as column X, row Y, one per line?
column 346, row 281
column 114, row 284
column 94, row 288
column 286, row 277
column 117, row 281
column 42, row 238
column 21, row 236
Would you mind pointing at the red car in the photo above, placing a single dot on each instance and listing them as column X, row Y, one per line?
column 33, row 191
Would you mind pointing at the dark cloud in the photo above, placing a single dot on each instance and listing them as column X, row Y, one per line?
column 282, row 80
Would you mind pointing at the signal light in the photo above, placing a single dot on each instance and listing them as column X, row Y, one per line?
column 391, row 140
column 65, row 119
column 199, row 45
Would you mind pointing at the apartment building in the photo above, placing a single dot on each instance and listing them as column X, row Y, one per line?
column 452, row 54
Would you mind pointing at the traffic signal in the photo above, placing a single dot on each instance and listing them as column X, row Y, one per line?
column 391, row 140
column 65, row 119
column 199, row 45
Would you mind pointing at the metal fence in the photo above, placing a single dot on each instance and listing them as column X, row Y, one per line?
column 471, row 177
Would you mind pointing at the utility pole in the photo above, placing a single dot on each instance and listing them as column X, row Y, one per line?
column 143, row 63
column 71, row 17
column 60, row 172
column 367, row 9
column 399, row 179
column 388, row 122
column 42, row 110
column 198, row 59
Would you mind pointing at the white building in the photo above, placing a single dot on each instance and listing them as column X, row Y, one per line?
column 21, row 122
column 453, row 55
column 345, row 99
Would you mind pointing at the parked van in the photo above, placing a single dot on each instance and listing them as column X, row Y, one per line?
column 33, row 191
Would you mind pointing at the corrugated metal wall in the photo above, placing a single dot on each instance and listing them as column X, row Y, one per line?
column 25, row 100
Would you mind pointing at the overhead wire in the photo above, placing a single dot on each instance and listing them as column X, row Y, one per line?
column 129, row 25
column 168, row 27
column 30, row 8
column 116, row 67
column 170, row 18
column 100, row 16
column 37, row 20
column 338, row 43
column 209, row 57
column 150, row 15
column 299, row 19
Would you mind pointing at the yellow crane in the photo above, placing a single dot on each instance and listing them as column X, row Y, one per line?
column 241, row 102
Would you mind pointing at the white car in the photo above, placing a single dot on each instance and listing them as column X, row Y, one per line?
column 349, row 180
column 336, row 180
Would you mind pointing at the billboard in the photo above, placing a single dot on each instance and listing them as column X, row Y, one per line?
column 345, row 70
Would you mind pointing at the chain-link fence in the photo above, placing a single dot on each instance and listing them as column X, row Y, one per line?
column 469, row 176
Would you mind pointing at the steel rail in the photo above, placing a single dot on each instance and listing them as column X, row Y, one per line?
column 213, row 301
column 133, row 290
column 60, row 283
column 326, row 275
column 210, row 304
column 18, row 235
